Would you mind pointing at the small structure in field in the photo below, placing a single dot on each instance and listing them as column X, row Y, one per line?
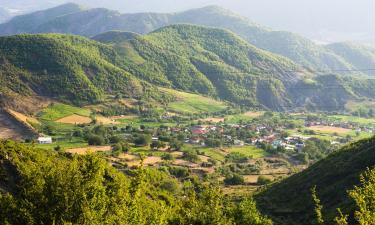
column 44, row 140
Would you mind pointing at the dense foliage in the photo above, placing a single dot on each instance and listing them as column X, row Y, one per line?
column 39, row 187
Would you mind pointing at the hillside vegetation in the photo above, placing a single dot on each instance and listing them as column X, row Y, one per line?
column 290, row 201
column 360, row 56
column 218, row 63
column 68, row 68
column 73, row 19
column 206, row 61
column 40, row 187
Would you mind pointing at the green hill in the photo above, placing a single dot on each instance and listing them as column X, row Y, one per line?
column 206, row 61
column 68, row 68
column 290, row 201
column 29, row 22
column 209, row 61
column 218, row 63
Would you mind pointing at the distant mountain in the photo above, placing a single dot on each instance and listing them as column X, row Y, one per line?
column 30, row 22
column 91, row 22
column 360, row 56
column 289, row 202
column 4, row 14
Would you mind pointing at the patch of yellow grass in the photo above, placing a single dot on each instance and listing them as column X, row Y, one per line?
column 329, row 129
column 91, row 149
column 105, row 120
column 253, row 114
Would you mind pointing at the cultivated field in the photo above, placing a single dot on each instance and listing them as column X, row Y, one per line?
column 192, row 103
column 57, row 111
column 90, row 149
column 329, row 129
column 75, row 119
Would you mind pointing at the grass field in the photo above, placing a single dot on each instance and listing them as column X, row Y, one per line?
column 249, row 151
column 64, row 144
column 213, row 153
column 192, row 103
column 244, row 117
column 57, row 111
column 354, row 119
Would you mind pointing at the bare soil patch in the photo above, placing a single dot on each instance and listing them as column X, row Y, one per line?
column 75, row 119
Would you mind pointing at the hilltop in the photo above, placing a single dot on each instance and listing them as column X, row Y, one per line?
column 74, row 19
column 290, row 201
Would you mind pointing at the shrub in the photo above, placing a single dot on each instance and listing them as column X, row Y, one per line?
column 234, row 179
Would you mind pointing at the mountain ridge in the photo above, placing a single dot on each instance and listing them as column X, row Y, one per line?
column 91, row 22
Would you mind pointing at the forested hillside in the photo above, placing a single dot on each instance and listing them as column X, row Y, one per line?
column 219, row 63
column 68, row 68
column 75, row 20
column 290, row 201
column 208, row 61
column 360, row 56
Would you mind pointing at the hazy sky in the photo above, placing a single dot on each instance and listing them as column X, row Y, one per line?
column 323, row 20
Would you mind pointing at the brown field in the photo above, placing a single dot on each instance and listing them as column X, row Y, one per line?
column 151, row 160
column 90, row 149
column 75, row 119
column 329, row 129
column 105, row 120
column 253, row 114
column 213, row 119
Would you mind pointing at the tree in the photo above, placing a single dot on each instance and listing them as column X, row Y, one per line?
column 318, row 207
column 142, row 140
column 191, row 156
column 247, row 214
column 95, row 140
column 364, row 197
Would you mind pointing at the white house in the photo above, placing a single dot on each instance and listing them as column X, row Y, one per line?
column 44, row 140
